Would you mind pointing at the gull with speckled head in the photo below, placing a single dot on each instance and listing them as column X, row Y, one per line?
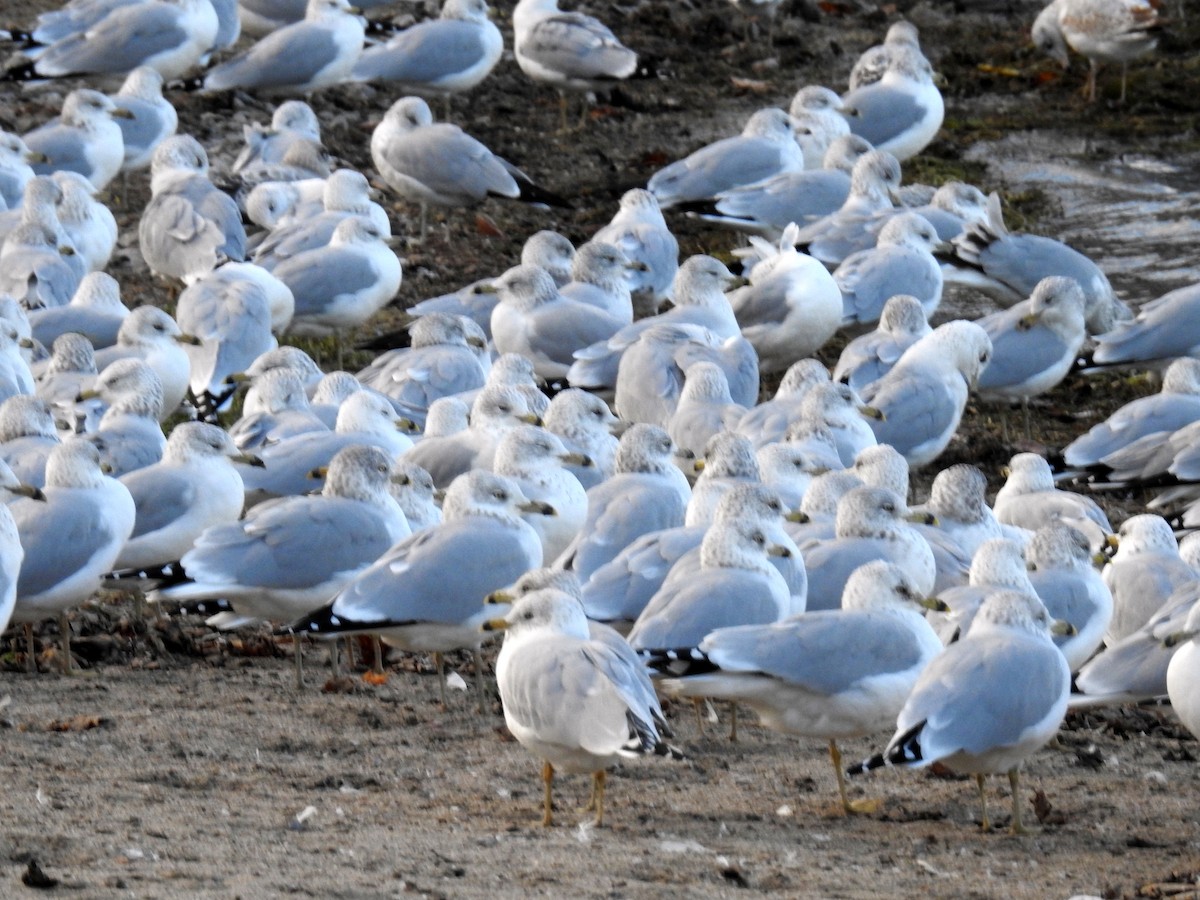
column 1101, row 30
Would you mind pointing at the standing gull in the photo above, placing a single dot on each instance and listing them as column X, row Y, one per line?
column 1101, row 30
column 976, row 722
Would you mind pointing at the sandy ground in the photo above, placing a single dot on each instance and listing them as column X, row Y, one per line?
column 177, row 765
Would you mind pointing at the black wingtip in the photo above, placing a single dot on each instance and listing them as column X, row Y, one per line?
column 202, row 608
column 187, row 85
column 22, row 72
column 678, row 662
column 534, row 193
column 166, row 575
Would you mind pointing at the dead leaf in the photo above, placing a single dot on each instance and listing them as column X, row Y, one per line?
column 752, row 85
column 76, row 723
column 375, row 678
column 1045, row 811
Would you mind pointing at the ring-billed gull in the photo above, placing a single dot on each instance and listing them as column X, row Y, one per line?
column 998, row 565
column 1184, row 671
column 341, row 285
column 15, row 168
column 314, row 53
column 1145, row 422
column 537, row 461
column 1162, row 330
column 871, row 524
column 766, row 147
column 601, row 275
column 639, row 229
column 496, row 409
column 839, row 408
column 834, row 674
column 618, row 591
column 70, row 369
column 364, row 419
column 194, row 486
column 901, row 262
column 965, row 717
column 276, row 406
column 870, row 356
column 419, row 595
column 1034, row 344
column 698, row 298
column 535, row 319
column 705, row 408
column 286, row 558
column 154, row 118
column 873, row 62
column 572, row 700
column 1030, row 499
column 902, row 112
column 149, row 334
column 727, row 461
column 569, row 50
column 443, row 359
column 1101, row 30
column 1143, row 573
column 70, row 538
column 84, row 139
column 1064, row 577
column 293, row 120
column 170, row 36
column 874, row 181
column 129, row 435
column 189, row 227
column 90, row 226
column 958, row 500
column 767, row 422
column 11, row 552
column 585, row 425
column 436, row 162
column 817, row 110
column 413, row 489
column 923, row 397
column 1009, row 266
column 791, row 307
column 27, row 435
column 446, row 55
column 646, row 493
column 804, row 197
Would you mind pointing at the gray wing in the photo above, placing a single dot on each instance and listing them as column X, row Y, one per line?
column 450, row 162
column 469, row 301
column 74, row 17
column 441, row 574
column 299, row 237
column 1019, row 355
column 823, row 652
column 424, row 53
column 318, row 276
column 619, row 511
column 429, row 373
column 119, row 43
column 1165, row 328
column 684, row 612
column 578, row 46
column 869, row 279
column 60, row 537
column 621, row 589
column 161, row 496
column 146, row 125
column 718, row 167
column 283, row 58
column 1158, row 413
column 63, row 147
column 289, row 462
column 129, row 444
column 792, row 197
column 984, row 693
column 883, row 112
column 294, row 543
column 1020, row 261
column 564, row 328
column 917, row 407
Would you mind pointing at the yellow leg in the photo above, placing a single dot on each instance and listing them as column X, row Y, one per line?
column 440, row 662
column 377, row 649
column 697, row 706
column 30, row 650
column 548, row 799
column 598, row 780
column 299, row 660
column 985, row 824
column 733, row 722
column 857, row 807
column 1018, row 827
column 64, row 629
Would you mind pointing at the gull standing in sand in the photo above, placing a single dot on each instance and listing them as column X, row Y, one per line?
column 975, row 722
column 570, row 50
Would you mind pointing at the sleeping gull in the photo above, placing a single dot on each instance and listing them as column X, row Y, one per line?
column 868, row 357
column 705, row 408
column 90, row 226
column 639, row 229
column 873, row 62
column 189, row 227
column 314, row 53
column 975, row 724
column 1143, row 573
column 1162, row 330
column 292, row 121
column 15, row 168
column 27, row 435
column 447, row 55
column 834, row 674
column 1030, row 499
column 901, row 262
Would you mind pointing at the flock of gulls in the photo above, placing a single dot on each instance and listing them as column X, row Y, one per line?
column 574, row 452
